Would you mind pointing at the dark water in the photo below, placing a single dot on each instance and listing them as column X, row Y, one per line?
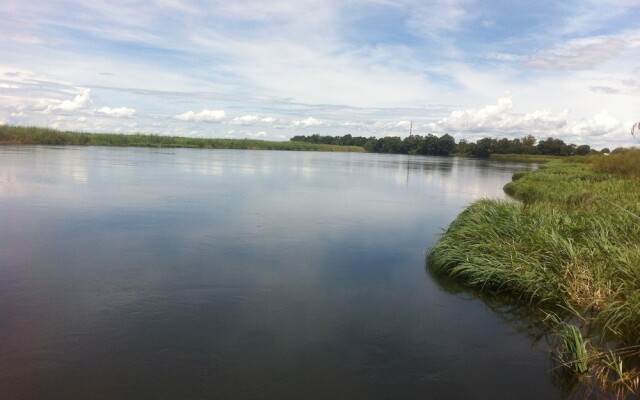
column 188, row 274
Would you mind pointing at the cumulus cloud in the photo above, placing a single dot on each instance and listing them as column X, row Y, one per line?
column 80, row 101
column 202, row 116
column 491, row 116
column 499, row 120
column 117, row 112
column 498, row 117
column 306, row 123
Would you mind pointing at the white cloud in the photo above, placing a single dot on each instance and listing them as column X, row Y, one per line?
column 352, row 124
column 491, row 116
column 257, row 135
column 117, row 112
column 252, row 120
column 306, row 123
column 80, row 101
column 385, row 128
column 244, row 120
column 601, row 124
column 498, row 120
column 204, row 116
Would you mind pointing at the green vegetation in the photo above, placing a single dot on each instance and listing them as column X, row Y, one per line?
column 572, row 350
column 622, row 163
column 525, row 148
column 431, row 145
column 530, row 158
column 571, row 247
column 44, row 136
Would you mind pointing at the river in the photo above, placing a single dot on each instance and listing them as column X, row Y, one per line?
column 182, row 273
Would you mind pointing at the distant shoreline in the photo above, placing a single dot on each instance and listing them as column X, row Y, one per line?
column 20, row 135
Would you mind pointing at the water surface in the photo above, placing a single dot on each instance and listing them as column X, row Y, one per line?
column 174, row 274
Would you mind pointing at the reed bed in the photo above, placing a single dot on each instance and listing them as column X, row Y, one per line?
column 570, row 245
column 17, row 135
column 624, row 163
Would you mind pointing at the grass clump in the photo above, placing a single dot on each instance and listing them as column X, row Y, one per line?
column 572, row 243
column 16, row 135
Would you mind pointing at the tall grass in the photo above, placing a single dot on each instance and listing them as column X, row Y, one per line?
column 572, row 242
column 625, row 163
column 45, row 136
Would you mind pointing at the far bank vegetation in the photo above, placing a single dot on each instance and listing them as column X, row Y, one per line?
column 17, row 135
column 445, row 145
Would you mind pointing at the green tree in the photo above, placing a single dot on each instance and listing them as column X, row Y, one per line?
column 529, row 141
column 554, row 147
column 446, row 145
column 583, row 150
column 483, row 148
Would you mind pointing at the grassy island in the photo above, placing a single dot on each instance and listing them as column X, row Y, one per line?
column 571, row 247
column 17, row 135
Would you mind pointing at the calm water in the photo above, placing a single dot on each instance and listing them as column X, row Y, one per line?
column 188, row 274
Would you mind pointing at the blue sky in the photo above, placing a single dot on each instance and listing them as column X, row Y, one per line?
column 276, row 69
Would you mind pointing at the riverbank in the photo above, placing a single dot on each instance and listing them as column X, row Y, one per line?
column 530, row 158
column 570, row 247
column 17, row 135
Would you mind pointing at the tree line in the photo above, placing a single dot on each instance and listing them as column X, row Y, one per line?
column 446, row 145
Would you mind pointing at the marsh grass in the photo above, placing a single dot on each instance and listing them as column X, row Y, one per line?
column 571, row 350
column 624, row 163
column 44, row 136
column 570, row 242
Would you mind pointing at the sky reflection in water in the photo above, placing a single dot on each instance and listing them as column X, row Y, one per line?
column 142, row 273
